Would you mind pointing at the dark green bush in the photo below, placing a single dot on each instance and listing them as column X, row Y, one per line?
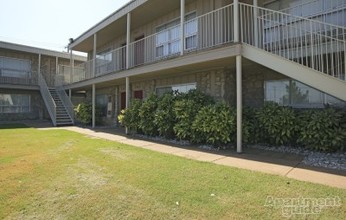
column 279, row 124
column 214, row 124
column 83, row 113
column 185, row 110
column 147, row 116
column 323, row 130
column 252, row 132
column 130, row 117
column 164, row 115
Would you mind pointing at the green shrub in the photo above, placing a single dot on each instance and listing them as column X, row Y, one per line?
column 214, row 124
column 164, row 115
column 252, row 132
column 185, row 110
column 196, row 96
column 278, row 123
column 83, row 113
column 323, row 130
column 147, row 116
column 130, row 117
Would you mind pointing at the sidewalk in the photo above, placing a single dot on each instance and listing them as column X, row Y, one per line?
column 288, row 165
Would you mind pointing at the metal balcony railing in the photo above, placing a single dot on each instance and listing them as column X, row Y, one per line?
column 312, row 43
column 209, row 30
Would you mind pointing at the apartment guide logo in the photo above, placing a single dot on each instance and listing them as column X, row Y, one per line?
column 301, row 205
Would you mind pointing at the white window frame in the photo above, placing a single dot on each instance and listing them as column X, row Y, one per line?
column 171, row 32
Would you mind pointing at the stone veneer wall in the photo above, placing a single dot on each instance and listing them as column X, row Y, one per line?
column 254, row 76
column 218, row 83
column 48, row 63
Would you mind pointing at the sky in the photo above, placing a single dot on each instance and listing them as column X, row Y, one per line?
column 50, row 23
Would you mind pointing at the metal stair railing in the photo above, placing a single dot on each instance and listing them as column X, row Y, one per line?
column 322, row 10
column 47, row 98
column 66, row 102
column 314, row 44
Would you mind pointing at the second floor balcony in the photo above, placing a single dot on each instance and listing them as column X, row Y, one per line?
column 312, row 43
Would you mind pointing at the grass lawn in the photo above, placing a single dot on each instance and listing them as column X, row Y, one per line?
column 57, row 174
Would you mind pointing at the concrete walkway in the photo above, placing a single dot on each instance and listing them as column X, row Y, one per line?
column 282, row 164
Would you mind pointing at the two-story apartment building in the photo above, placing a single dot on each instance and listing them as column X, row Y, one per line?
column 23, row 70
column 241, row 52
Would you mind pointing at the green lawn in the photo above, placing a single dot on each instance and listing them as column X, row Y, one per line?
column 56, row 174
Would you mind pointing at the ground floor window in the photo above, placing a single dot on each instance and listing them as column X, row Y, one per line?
column 182, row 88
column 15, row 103
column 292, row 93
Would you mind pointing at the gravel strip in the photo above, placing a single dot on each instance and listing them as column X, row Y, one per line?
column 336, row 161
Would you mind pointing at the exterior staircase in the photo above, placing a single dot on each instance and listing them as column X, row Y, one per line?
column 58, row 105
column 62, row 115
column 307, row 50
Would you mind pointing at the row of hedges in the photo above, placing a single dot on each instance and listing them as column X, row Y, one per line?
column 197, row 118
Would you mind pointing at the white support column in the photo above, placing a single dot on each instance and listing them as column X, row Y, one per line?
column 71, row 65
column 56, row 65
column 39, row 64
column 56, row 71
column 116, row 106
column 255, row 16
column 94, row 54
column 239, row 103
column 182, row 21
column 70, row 94
column 127, row 96
column 236, row 20
column 93, row 106
column 128, row 39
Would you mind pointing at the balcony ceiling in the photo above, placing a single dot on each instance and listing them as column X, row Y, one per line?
column 153, row 8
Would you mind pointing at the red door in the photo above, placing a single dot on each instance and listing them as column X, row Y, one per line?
column 123, row 100
column 139, row 94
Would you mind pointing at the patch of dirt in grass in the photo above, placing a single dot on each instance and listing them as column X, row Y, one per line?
column 117, row 153
column 65, row 146
column 88, row 173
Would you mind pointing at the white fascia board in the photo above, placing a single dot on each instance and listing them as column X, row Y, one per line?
column 107, row 21
column 35, row 50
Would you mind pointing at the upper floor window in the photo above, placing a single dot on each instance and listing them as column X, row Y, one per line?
column 168, row 36
column 11, row 67
column 306, row 8
column 296, row 94
column 14, row 103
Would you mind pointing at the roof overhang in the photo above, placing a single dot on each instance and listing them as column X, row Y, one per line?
column 114, row 26
column 35, row 50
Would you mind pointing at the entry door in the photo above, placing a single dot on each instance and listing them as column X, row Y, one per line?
column 139, row 50
column 138, row 94
column 122, row 100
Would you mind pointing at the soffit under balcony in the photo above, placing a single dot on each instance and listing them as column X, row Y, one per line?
column 140, row 16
